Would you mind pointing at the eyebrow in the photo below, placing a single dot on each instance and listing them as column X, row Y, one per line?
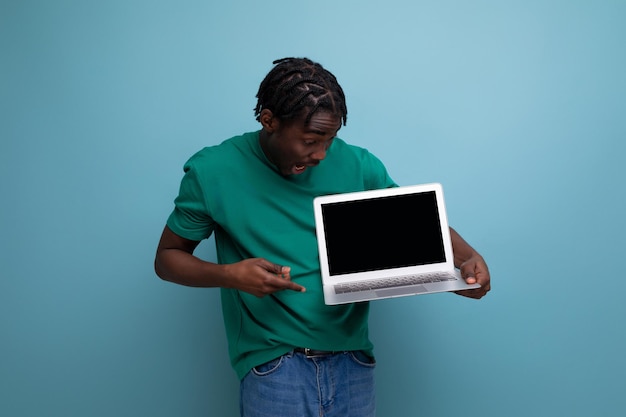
column 320, row 131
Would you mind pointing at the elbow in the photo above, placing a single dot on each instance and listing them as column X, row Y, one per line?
column 158, row 269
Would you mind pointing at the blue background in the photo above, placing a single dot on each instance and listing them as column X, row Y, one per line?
column 517, row 107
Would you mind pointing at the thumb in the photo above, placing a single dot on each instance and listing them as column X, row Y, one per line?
column 278, row 269
column 467, row 272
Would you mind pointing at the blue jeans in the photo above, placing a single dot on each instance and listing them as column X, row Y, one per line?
column 340, row 385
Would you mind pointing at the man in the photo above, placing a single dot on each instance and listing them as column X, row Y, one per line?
column 294, row 355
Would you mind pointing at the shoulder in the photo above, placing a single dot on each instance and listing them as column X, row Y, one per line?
column 358, row 162
column 223, row 153
column 341, row 150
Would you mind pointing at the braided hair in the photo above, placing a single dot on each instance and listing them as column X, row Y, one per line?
column 298, row 85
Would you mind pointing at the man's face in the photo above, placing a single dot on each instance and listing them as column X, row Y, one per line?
column 293, row 146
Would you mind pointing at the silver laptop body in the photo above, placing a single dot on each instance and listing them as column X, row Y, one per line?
column 385, row 243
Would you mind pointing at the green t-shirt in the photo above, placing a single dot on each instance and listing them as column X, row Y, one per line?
column 233, row 190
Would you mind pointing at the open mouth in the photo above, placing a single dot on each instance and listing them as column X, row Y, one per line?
column 300, row 168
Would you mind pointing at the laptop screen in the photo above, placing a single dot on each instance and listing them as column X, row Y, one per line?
column 383, row 233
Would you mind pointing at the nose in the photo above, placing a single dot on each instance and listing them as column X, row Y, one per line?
column 319, row 154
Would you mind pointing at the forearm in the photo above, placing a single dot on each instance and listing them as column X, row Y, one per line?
column 462, row 250
column 176, row 263
column 184, row 268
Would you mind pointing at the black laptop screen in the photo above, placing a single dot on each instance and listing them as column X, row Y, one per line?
column 383, row 233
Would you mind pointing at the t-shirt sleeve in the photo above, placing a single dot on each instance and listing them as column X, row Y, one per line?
column 190, row 218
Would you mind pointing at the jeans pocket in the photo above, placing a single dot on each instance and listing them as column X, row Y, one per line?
column 361, row 358
column 268, row 367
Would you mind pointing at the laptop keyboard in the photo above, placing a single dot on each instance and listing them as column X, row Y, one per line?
column 377, row 284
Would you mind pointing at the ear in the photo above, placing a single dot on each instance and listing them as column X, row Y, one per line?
column 268, row 121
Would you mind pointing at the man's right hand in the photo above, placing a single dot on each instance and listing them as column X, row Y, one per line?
column 261, row 277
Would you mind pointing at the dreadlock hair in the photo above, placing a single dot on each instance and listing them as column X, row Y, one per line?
column 298, row 85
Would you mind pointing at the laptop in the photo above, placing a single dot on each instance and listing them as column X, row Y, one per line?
column 385, row 243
